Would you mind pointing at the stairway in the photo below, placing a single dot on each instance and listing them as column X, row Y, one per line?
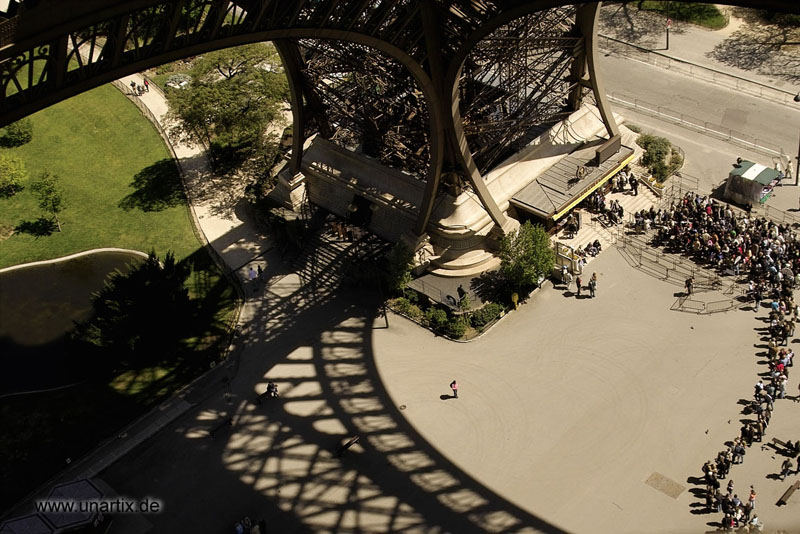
column 592, row 230
column 631, row 204
column 323, row 263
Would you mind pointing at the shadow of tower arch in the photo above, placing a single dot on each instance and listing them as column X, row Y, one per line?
column 393, row 480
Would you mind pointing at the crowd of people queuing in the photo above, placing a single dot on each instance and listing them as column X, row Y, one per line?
column 712, row 234
column 610, row 212
column 769, row 255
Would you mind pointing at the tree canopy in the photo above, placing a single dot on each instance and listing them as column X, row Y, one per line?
column 50, row 195
column 138, row 318
column 18, row 133
column 525, row 256
column 234, row 96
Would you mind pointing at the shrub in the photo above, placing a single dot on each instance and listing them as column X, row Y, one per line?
column 437, row 318
column 415, row 312
column 401, row 304
column 659, row 157
column 12, row 174
column 659, row 170
column 487, row 314
column 404, row 306
column 656, row 148
column 18, row 133
column 675, row 162
column 412, row 295
column 456, row 327
column 634, row 128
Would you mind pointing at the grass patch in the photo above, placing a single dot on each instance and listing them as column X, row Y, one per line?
column 121, row 190
column 706, row 15
column 106, row 155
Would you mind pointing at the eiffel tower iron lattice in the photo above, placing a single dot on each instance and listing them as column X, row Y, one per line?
column 442, row 90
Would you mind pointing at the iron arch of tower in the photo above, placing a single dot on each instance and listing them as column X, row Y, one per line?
column 431, row 86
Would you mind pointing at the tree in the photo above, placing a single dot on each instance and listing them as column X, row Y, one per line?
column 399, row 262
column 50, row 195
column 18, row 133
column 234, row 96
column 139, row 318
column 12, row 174
column 525, row 255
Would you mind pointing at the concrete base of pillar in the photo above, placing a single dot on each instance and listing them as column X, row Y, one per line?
column 421, row 246
column 290, row 190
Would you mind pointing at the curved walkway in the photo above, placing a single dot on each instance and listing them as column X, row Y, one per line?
column 279, row 462
column 558, row 427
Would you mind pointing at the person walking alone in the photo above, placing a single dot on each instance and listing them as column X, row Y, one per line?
column 579, row 284
column 454, row 387
column 146, row 86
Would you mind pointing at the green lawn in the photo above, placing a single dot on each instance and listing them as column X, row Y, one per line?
column 122, row 190
column 706, row 15
column 97, row 143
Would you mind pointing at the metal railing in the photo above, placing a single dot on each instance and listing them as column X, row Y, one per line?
column 694, row 70
column 703, row 308
column 667, row 267
column 686, row 183
column 447, row 299
column 688, row 121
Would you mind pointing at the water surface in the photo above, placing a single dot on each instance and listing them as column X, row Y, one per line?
column 38, row 307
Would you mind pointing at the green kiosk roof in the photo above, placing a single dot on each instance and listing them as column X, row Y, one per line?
column 756, row 172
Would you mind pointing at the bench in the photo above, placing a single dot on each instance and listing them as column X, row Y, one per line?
column 788, row 493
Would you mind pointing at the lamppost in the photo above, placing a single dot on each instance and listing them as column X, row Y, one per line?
column 797, row 167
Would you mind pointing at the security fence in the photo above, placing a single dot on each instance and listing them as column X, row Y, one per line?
column 711, row 129
column 667, row 267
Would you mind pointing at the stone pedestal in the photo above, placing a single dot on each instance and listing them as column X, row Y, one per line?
column 290, row 189
column 421, row 246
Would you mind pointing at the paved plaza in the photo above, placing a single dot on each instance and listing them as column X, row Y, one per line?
column 567, row 408
column 574, row 415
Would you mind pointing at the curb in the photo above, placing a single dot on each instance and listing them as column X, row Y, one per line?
column 72, row 256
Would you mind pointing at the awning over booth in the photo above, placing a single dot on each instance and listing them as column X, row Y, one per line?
column 560, row 188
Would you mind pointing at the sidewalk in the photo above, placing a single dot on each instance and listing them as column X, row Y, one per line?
column 218, row 210
column 733, row 50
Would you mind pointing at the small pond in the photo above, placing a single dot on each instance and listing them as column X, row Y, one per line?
column 38, row 306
